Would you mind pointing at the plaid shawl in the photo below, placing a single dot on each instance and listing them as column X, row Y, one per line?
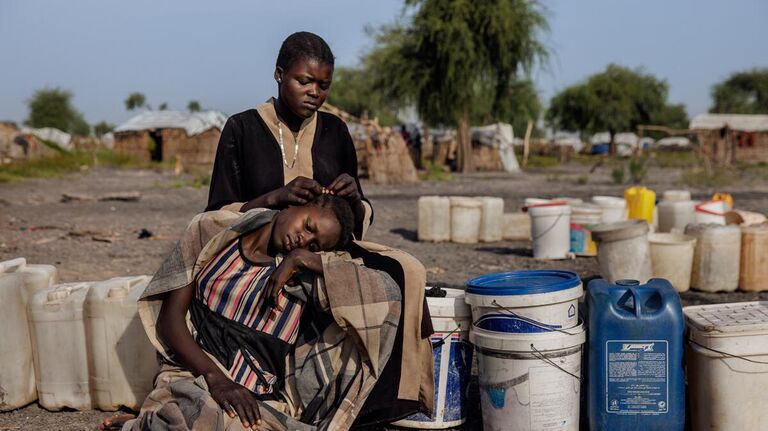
column 331, row 373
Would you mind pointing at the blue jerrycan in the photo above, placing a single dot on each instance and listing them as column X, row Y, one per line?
column 636, row 372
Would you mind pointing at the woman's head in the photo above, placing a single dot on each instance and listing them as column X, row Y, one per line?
column 323, row 224
column 304, row 72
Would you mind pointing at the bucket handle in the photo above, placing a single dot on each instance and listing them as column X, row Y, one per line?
column 527, row 320
column 727, row 354
column 541, row 356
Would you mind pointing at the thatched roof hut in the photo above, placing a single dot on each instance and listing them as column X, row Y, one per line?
column 732, row 137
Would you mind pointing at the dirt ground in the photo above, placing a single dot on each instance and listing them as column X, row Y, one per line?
column 94, row 240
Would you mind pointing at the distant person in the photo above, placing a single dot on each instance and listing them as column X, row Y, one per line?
column 285, row 151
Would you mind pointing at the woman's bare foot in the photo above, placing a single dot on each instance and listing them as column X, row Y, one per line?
column 115, row 423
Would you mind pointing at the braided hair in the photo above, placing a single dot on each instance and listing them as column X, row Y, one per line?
column 304, row 45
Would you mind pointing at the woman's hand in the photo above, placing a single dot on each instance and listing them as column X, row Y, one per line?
column 235, row 399
column 284, row 273
column 346, row 187
column 297, row 192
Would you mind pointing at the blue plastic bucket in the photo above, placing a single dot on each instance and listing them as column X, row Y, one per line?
column 525, row 301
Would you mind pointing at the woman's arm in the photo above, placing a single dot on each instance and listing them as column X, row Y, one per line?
column 282, row 275
column 350, row 181
column 173, row 331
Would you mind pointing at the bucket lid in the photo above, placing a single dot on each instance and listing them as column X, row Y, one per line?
column 728, row 318
column 523, row 342
column 610, row 201
column 528, row 282
column 452, row 305
column 619, row 230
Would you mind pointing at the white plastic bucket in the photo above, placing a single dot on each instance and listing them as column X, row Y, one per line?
column 491, row 219
column 516, row 226
column 623, row 251
column 514, row 301
column 712, row 212
column 451, row 319
column 529, row 382
column 614, row 208
column 727, row 365
column 434, row 218
column 672, row 258
column 550, row 230
column 465, row 219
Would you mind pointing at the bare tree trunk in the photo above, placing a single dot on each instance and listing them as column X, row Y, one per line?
column 612, row 142
column 527, row 142
column 465, row 143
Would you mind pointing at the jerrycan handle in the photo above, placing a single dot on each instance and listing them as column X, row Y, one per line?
column 13, row 264
column 632, row 294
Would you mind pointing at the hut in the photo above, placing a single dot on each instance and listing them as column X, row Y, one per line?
column 725, row 138
column 191, row 137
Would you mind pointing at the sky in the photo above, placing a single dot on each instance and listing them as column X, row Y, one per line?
column 223, row 53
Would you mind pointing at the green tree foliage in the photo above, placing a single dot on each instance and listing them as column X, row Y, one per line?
column 446, row 55
column 193, row 106
column 521, row 104
column 617, row 99
column 102, row 128
column 742, row 93
column 163, row 106
column 353, row 91
column 135, row 100
column 52, row 107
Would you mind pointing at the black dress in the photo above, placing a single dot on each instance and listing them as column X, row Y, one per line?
column 249, row 163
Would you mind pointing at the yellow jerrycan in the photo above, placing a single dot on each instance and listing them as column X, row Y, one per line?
column 640, row 203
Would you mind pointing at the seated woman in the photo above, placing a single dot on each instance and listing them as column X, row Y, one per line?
column 278, row 336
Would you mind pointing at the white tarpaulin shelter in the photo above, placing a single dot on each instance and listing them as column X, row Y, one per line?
column 62, row 139
column 740, row 122
column 193, row 123
column 625, row 142
column 499, row 136
column 673, row 141
column 567, row 139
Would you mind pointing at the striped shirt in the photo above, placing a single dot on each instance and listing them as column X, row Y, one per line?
column 233, row 287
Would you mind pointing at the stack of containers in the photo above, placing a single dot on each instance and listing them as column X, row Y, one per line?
column 716, row 258
column 529, row 344
column 89, row 346
column 583, row 218
column 19, row 281
column 434, row 218
column 727, row 362
column 451, row 319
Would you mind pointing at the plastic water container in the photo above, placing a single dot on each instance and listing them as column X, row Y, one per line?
column 58, row 343
column 753, row 273
column 614, row 209
column 727, row 361
column 550, row 230
column 17, row 282
column 122, row 361
column 505, row 301
column 641, row 202
column 623, row 251
column 672, row 258
column 712, row 212
column 583, row 218
column 465, row 219
column 675, row 215
column 636, row 375
column 716, row 259
column 529, row 381
column 491, row 219
column 451, row 319
column 516, row 226
column 434, row 218
column 676, row 195
column 724, row 197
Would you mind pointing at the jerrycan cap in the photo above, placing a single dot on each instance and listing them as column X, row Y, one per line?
column 124, row 286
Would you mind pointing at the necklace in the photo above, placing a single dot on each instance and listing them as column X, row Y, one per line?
column 282, row 147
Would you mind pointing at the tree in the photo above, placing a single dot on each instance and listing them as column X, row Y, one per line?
column 52, row 107
column 102, row 128
column 193, row 106
column 353, row 91
column 445, row 55
column 742, row 93
column 163, row 106
column 520, row 105
column 616, row 99
column 135, row 100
